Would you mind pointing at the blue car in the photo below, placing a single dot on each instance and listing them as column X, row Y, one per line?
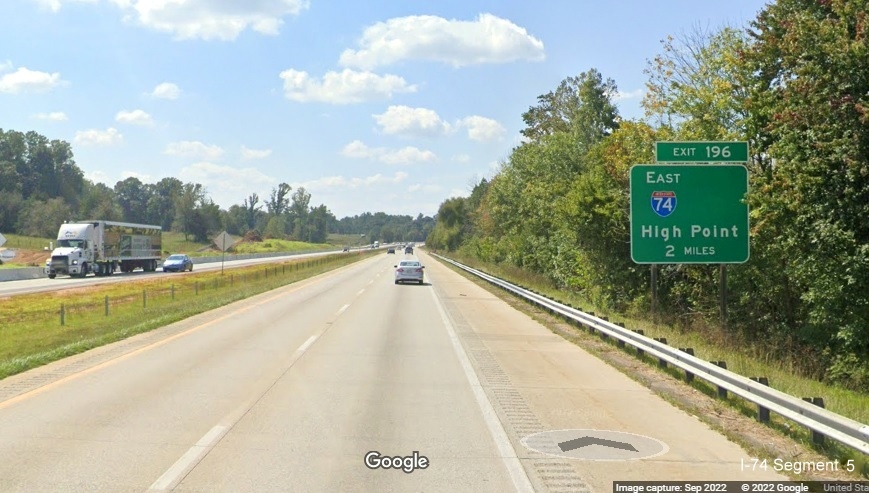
column 177, row 263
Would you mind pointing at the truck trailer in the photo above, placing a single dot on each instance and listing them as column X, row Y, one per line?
column 103, row 247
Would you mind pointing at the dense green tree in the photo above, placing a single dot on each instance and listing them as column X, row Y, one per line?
column 276, row 227
column 43, row 218
column 191, row 197
column 133, row 198
column 161, row 202
column 299, row 209
column 99, row 202
column 810, row 100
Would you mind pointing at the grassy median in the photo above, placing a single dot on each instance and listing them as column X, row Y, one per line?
column 39, row 328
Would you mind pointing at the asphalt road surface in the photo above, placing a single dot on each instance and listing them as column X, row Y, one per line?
column 291, row 390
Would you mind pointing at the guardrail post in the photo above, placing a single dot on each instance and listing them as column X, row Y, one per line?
column 817, row 437
column 662, row 363
column 107, row 305
column 640, row 352
column 689, row 377
column 62, row 315
column 603, row 335
column 621, row 343
column 762, row 412
column 722, row 392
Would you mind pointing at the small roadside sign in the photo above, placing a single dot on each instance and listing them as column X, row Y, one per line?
column 223, row 241
column 2, row 240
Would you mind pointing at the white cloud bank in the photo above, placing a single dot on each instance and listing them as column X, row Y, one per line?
column 488, row 39
column 345, row 87
column 405, row 155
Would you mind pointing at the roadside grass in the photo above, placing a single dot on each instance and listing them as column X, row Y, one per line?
column 27, row 242
column 174, row 242
column 278, row 246
column 36, row 329
column 712, row 345
column 343, row 240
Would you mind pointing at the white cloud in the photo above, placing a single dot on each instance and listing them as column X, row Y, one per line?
column 226, row 185
column 54, row 116
column 424, row 188
column 482, row 129
column 54, row 5
column 488, row 39
column 196, row 149
column 26, row 80
column 135, row 117
column 107, row 137
column 619, row 96
column 338, row 181
column 166, row 90
column 97, row 177
column 210, row 19
column 404, row 120
column 345, row 87
column 248, row 154
column 406, row 155
column 461, row 158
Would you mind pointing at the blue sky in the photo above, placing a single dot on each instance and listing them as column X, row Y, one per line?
column 379, row 105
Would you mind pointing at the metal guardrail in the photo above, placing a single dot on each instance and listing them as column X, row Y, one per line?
column 840, row 428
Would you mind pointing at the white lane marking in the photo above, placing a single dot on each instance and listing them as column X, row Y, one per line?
column 496, row 429
column 371, row 282
column 341, row 310
column 189, row 460
column 360, row 292
column 196, row 453
column 304, row 347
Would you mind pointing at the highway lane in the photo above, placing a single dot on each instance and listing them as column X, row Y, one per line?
column 12, row 288
column 289, row 390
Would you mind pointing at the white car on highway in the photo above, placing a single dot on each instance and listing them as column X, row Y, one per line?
column 409, row 270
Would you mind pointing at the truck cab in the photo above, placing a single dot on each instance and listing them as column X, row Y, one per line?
column 74, row 253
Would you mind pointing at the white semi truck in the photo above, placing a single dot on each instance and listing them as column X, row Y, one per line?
column 103, row 247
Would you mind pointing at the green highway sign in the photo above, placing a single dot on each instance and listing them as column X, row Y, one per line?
column 701, row 152
column 689, row 214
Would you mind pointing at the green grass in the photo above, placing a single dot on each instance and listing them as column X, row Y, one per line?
column 27, row 242
column 279, row 246
column 741, row 357
column 32, row 333
column 174, row 242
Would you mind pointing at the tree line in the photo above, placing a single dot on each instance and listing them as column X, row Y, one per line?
column 794, row 84
column 41, row 186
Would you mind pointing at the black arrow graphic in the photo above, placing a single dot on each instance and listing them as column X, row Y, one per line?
column 586, row 441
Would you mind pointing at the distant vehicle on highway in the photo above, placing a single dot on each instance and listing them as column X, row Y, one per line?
column 408, row 249
column 346, row 249
column 390, row 250
column 178, row 263
column 409, row 270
